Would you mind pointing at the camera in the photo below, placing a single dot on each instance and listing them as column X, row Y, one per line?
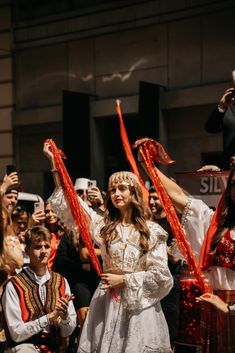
column 38, row 206
column 92, row 184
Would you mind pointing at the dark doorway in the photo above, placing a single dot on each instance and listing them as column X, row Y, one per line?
column 76, row 133
column 113, row 152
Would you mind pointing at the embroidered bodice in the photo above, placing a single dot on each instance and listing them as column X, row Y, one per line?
column 124, row 254
column 147, row 276
column 225, row 251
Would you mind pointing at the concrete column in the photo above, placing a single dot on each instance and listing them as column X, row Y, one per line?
column 6, row 88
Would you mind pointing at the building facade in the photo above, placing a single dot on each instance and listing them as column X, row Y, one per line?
column 168, row 61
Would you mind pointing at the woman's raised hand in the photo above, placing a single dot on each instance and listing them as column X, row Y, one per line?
column 47, row 151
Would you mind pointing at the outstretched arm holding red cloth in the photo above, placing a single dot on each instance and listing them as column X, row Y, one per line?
column 79, row 215
column 149, row 152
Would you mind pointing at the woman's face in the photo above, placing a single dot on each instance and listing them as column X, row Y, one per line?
column 20, row 223
column 9, row 200
column 51, row 217
column 120, row 195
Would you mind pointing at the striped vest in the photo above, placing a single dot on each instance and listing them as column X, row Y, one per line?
column 30, row 302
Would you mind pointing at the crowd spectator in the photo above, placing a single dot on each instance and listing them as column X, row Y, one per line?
column 222, row 119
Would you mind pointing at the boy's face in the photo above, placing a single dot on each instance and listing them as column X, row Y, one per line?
column 39, row 252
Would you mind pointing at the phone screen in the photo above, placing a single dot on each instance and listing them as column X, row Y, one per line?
column 10, row 168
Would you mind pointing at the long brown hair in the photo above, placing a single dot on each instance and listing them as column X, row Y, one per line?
column 138, row 218
column 227, row 218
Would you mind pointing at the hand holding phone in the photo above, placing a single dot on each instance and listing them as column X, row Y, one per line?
column 233, row 95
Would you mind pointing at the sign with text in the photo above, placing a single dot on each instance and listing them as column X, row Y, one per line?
column 207, row 186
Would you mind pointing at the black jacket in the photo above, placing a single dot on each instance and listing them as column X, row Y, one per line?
column 225, row 123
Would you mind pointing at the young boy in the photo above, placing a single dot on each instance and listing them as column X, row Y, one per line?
column 37, row 304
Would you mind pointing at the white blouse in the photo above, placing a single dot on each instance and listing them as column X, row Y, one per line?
column 195, row 221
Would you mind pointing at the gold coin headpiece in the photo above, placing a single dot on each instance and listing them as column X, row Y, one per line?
column 124, row 177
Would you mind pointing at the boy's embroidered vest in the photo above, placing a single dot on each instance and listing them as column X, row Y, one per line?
column 28, row 291
column 30, row 303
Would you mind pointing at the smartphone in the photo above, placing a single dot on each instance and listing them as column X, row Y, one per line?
column 92, row 184
column 233, row 94
column 10, row 168
column 233, row 77
column 38, row 206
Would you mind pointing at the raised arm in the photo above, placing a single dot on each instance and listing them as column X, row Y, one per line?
column 49, row 155
column 214, row 122
column 175, row 192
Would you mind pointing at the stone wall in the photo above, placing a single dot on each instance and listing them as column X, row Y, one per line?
column 6, row 88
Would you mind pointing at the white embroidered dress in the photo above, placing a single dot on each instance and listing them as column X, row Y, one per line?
column 135, row 323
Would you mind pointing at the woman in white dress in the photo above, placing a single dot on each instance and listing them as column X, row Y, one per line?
column 134, row 258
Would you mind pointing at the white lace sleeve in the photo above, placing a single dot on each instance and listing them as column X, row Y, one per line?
column 60, row 206
column 195, row 221
column 145, row 288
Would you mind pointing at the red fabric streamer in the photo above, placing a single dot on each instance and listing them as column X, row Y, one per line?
column 190, row 313
column 78, row 213
column 128, row 151
column 153, row 151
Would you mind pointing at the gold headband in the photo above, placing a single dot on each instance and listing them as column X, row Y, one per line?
column 123, row 178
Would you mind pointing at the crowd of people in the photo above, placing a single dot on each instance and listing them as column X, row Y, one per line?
column 53, row 300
